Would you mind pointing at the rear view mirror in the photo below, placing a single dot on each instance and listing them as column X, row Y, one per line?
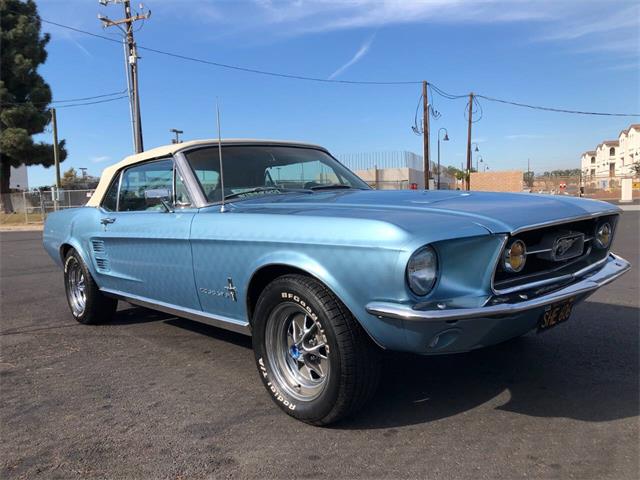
column 157, row 193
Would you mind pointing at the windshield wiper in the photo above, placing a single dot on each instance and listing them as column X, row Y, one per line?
column 330, row 186
column 267, row 189
column 252, row 190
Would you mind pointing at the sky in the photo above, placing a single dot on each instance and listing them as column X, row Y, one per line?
column 574, row 54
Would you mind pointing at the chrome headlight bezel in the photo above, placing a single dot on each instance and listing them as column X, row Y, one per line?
column 507, row 258
column 422, row 271
column 599, row 232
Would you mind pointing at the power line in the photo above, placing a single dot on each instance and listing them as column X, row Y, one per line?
column 237, row 67
column 121, row 92
column 70, row 100
column 93, row 103
column 436, row 89
column 559, row 110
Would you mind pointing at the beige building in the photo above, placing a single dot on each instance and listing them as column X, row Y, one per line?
column 497, row 181
column 613, row 158
column 395, row 170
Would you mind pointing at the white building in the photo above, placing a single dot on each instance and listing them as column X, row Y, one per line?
column 19, row 179
column 613, row 158
column 395, row 170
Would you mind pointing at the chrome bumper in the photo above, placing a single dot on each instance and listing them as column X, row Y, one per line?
column 614, row 267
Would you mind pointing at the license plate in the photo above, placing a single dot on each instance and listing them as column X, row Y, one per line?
column 555, row 314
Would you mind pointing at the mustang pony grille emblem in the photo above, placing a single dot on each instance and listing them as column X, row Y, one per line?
column 568, row 246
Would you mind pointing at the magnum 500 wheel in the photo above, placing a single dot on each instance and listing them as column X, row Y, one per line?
column 314, row 358
column 88, row 305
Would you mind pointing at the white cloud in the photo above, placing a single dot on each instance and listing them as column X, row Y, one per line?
column 362, row 51
column 326, row 15
column 612, row 28
column 100, row 158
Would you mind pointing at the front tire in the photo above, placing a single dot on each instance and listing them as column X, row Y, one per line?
column 314, row 358
column 87, row 303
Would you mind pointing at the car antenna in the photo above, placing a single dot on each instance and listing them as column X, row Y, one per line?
column 222, row 209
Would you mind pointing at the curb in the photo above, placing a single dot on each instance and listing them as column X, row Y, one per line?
column 22, row 228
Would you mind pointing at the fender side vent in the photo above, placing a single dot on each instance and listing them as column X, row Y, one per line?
column 98, row 246
column 103, row 264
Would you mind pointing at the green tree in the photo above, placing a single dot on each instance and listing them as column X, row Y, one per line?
column 528, row 178
column 635, row 168
column 69, row 179
column 24, row 95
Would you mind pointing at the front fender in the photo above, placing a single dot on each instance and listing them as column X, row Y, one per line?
column 341, row 282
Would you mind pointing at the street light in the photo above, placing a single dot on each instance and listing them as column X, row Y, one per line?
column 479, row 160
column 445, row 139
column 177, row 133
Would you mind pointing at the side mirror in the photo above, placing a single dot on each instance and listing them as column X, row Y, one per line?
column 158, row 196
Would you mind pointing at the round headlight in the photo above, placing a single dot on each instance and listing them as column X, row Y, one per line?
column 422, row 271
column 515, row 256
column 603, row 235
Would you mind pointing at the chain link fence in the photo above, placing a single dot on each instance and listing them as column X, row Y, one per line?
column 32, row 207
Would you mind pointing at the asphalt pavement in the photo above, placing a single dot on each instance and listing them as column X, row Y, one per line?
column 151, row 396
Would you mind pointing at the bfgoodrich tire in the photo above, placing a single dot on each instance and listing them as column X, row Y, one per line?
column 314, row 358
column 88, row 305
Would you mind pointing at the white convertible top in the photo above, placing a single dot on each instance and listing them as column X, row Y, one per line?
column 166, row 150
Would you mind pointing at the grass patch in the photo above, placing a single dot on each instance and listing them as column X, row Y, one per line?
column 20, row 218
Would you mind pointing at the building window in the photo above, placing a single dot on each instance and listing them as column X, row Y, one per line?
column 612, row 151
column 593, row 159
column 593, row 172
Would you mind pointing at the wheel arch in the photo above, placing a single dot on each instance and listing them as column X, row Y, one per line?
column 263, row 276
column 69, row 244
column 64, row 249
column 269, row 272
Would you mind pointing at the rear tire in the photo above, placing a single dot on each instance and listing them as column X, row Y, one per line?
column 87, row 303
column 315, row 360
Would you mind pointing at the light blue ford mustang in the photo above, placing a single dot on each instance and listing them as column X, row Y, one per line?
column 278, row 240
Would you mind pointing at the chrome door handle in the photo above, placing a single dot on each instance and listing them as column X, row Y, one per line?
column 107, row 220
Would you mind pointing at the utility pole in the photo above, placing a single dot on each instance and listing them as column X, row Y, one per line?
column 468, row 177
column 56, row 153
column 56, row 156
column 425, row 134
column 132, row 59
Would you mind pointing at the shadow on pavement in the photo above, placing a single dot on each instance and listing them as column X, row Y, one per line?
column 586, row 369
column 134, row 315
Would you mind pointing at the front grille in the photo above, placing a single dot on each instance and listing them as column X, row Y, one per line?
column 554, row 254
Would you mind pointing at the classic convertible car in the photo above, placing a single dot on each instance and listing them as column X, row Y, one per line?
column 280, row 241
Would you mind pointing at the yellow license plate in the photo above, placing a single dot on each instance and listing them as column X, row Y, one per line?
column 555, row 314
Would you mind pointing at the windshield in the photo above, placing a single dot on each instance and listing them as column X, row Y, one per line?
column 266, row 170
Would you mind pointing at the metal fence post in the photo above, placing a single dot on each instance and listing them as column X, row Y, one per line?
column 41, row 206
column 24, row 205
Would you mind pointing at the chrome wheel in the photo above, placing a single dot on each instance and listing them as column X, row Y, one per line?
column 298, row 351
column 76, row 286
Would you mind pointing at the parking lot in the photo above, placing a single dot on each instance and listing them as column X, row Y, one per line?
column 152, row 396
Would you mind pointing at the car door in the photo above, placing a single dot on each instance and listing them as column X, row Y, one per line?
column 142, row 248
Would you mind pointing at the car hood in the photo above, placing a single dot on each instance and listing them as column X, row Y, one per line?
column 496, row 212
